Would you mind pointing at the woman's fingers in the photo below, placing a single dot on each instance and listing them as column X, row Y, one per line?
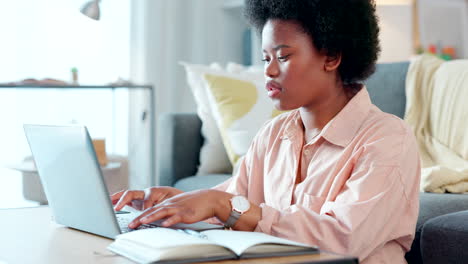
column 147, row 204
column 139, row 199
column 151, row 215
column 127, row 197
column 180, row 217
column 116, row 196
column 176, row 207
column 144, row 199
column 151, row 197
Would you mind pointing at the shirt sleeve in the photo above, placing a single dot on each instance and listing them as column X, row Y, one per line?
column 377, row 202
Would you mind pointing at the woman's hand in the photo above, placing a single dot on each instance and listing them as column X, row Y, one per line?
column 188, row 208
column 143, row 199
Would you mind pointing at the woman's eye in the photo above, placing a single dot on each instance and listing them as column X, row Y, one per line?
column 283, row 58
column 265, row 60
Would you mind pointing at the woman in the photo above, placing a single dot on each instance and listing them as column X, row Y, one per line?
column 335, row 171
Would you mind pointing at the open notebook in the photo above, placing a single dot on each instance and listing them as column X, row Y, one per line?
column 176, row 246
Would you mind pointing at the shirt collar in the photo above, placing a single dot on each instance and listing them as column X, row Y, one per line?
column 343, row 127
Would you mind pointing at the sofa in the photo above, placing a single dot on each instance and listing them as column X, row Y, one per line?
column 442, row 226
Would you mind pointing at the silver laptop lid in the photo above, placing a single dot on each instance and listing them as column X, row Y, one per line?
column 73, row 183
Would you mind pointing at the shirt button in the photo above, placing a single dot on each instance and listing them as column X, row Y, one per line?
column 307, row 152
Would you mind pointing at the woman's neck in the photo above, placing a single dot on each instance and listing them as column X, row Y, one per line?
column 316, row 117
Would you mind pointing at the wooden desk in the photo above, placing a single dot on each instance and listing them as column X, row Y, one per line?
column 27, row 235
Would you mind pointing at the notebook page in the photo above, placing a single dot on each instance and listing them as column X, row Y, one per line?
column 156, row 244
column 240, row 241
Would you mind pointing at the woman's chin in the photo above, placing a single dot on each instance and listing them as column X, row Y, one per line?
column 277, row 105
column 281, row 106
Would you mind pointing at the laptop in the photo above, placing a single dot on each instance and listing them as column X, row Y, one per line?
column 74, row 185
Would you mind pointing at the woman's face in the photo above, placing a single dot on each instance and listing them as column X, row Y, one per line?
column 294, row 69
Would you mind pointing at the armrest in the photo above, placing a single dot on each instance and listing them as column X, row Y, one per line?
column 178, row 146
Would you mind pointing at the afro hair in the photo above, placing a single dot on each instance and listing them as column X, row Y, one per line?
column 337, row 27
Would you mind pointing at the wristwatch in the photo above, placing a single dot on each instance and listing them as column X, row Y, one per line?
column 239, row 205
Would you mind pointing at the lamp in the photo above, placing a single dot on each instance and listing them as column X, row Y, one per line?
column 91, row 9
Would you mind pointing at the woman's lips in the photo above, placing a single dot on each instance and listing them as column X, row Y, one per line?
column 273, row 88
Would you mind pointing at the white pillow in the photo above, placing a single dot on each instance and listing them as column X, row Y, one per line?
column 213, row 157
column 240, row 106
column 233, row 105
column 255, row 71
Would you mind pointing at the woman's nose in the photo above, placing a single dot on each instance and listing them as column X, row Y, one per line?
column 271, row 69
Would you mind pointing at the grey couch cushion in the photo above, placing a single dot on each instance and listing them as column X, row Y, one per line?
column 432, row 205
column 178, row 146
column 201, row 182
column 445, row 239
column 385, row 87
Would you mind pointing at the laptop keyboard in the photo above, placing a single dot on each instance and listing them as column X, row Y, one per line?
column 124, row 221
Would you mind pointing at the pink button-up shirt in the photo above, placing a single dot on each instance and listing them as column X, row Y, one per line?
column 360, row 182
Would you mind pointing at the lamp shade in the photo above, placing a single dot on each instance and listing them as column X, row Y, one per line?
column 91, row 9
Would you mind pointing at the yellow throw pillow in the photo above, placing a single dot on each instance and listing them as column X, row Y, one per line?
column 240, row 106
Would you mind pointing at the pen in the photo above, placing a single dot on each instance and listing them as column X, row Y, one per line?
column 121, row 212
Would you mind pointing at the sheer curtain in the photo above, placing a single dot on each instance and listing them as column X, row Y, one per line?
column 164, row 32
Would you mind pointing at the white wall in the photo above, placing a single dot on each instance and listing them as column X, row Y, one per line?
column 441, row 23
column 396, row 31
column 445, row 23
column 46, row 38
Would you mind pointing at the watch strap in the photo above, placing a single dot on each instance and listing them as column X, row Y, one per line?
column 233, row 217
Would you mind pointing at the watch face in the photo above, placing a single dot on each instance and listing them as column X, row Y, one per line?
column 240, row 204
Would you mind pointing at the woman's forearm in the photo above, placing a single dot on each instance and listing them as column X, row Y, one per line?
column 246, row 222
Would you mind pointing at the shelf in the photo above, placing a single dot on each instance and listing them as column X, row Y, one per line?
column 76, row 86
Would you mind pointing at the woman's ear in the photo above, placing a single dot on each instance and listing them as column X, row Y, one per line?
column 332, row 63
